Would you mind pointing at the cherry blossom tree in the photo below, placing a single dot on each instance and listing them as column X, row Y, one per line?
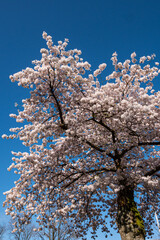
column 92, row 148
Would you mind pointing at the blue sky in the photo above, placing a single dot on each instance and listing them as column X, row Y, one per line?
column 97, row 27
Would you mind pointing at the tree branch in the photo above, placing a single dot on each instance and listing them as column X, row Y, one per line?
column 105, row 126
column 153, row 171
column 95, row 147
column 139, row 144
column 63, row 125
column 149, row 144
column 84, row 173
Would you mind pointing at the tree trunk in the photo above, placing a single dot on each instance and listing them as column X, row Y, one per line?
column 129, row 221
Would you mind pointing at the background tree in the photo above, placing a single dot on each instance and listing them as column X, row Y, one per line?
column 156, row 228
column 93, row 148
column 21, row 231
column 2, row 231
column 57, row 231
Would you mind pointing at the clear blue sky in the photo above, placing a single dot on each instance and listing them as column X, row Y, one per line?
column 97, row 27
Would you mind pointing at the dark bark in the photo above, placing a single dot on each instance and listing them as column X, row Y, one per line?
column 129, row 221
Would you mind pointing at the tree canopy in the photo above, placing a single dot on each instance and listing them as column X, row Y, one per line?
column 93, row 148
